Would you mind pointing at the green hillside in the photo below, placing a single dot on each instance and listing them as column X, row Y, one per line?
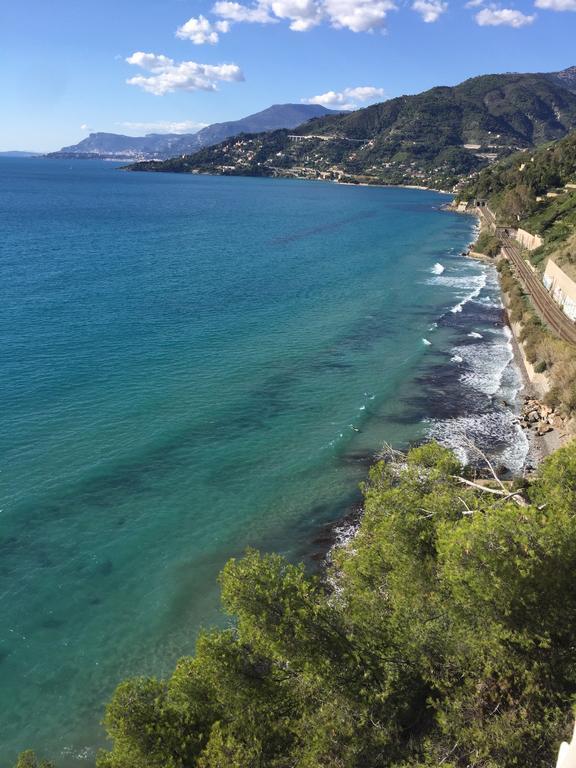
column 433, row 138
column 534, row 190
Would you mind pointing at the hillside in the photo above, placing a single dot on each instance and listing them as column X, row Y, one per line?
column 566, row 78
column 159, row 146
column 535, row 190
column 432, row 139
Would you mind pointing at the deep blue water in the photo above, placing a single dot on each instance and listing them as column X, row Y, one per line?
column 184, row 359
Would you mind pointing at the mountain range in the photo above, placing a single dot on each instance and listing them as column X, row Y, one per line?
column 157, row 146
column 434, row 138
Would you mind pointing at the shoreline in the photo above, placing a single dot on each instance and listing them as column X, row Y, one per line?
column 342, row 530
column 290, row 177
column 534, row 385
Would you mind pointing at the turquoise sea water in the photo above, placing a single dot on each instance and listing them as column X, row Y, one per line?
column 185, row 364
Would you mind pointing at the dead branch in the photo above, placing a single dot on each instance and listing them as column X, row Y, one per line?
column 487, row 460
column 503, row 494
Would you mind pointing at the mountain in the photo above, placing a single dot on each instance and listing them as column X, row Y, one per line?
column 566, row 78
column 20, row 153
column 159, row 146
column 433, row 138
column 272, row 119
column 114, row 145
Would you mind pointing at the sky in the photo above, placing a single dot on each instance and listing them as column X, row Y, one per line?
column 70, row 67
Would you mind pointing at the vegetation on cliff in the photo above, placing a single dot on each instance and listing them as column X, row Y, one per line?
column 533, row 190
column 444, row 636
column 433, row 138
column 545, row 351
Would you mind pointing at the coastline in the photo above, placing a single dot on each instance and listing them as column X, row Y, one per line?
column 341, row 531
column 534, row 388
column 535, row 385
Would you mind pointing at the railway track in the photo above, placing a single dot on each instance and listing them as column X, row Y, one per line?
column 543, row 302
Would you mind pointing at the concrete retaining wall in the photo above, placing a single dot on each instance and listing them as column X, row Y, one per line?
column 529, row 241
column 562, row 288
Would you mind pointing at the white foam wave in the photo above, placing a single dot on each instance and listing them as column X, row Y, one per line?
column 475, row 335
column 438, row 268
column 488, row 429
column 426, row 342
column 473, row 282
column 456, row 359
column 485, row 363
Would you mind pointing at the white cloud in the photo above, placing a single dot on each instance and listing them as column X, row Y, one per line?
column 474, row 3
column 85, row 127
column 503, row 17
column 200, row 30
column 556, row 5
column 167, row 75
column 162, row 126
column 358, row 15
column 349, row 98
column 355, row 15
column 303, row 14
column 430, row 10
column 258, row 14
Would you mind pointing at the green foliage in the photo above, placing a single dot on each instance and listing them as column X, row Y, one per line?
column 28, row 759
column 488, row 244
column 446, row 638
column 517, row 190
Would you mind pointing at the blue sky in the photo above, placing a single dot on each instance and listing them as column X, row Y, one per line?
column 66, row 65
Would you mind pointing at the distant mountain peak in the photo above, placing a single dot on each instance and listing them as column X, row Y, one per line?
column 159, row 146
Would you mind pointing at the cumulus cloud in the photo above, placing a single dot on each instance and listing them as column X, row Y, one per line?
column 302, row 14
column 200, row 30
column 85, row 127
column 358, row 15
column 166, row 75
column 355, row 15
column 257, row 14
column 556, row 5
column 162, row 126
column 349, row 98
column 503, row 17
column 430, row 10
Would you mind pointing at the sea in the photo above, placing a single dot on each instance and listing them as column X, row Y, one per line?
column 191, row 365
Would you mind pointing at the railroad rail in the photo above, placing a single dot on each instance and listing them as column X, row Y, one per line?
column 543, row 302
column 548, row 310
